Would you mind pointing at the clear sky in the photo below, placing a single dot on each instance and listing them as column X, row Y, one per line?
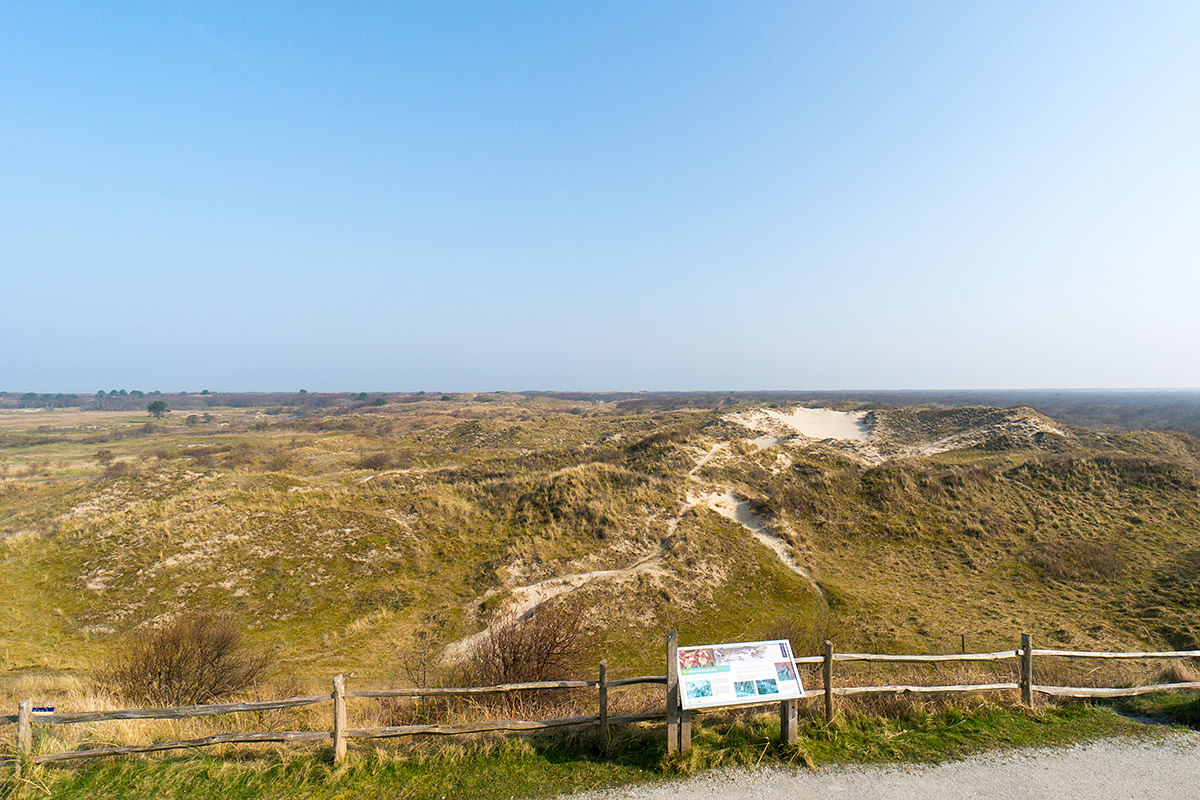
column 599, row 195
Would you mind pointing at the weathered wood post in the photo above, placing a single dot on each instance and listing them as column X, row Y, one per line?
column 789, row 729
column 339, row 717
column 827, row 674
column 24, row 734
column 672, row 692
column 1027, row 670
column 602, row 697
column 685, row 731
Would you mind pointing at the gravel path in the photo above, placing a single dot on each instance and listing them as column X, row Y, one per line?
column 1167, row 767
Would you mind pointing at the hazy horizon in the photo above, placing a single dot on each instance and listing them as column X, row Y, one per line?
column 717, row 390
column 661, row 197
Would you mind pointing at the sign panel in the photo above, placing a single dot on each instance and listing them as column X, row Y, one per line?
column 740, row 673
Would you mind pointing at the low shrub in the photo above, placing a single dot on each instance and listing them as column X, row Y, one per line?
column 376, row 460
column 193, row 659
column 548, row 645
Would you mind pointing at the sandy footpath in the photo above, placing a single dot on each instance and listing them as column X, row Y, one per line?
column 1116, row 769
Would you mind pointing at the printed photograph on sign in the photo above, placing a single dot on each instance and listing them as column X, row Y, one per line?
column 699, row 657
column 737, row 673
column 742, row 655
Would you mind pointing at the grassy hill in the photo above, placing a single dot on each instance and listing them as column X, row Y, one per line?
column 359, row 537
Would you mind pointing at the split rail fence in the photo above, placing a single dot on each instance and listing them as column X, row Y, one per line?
column 678, row 719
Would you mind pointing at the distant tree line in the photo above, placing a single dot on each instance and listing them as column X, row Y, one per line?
column 301, row 401
column 35, row 400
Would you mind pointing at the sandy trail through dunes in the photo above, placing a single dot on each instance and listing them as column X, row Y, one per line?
column 524, row 601
column 731, row 507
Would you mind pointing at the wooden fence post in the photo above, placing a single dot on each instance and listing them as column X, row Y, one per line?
column 1027, row 670
column 339, row 718
column 827, row 674
column 685, row 731
column 672, row 692
column 602, row 697
column 24, row 734
column 789, row 731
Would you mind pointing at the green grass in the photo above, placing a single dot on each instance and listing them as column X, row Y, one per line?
column 1180, row 708
column 546, row 766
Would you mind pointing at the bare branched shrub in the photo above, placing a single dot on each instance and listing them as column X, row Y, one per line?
column 548, row 645
column 116, row 469
column 278, row 460
column 194, row 659
column 376, row 460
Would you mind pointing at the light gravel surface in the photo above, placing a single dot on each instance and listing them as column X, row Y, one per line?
column 1166, row 767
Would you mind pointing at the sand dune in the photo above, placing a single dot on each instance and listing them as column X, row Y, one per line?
column 815, row 423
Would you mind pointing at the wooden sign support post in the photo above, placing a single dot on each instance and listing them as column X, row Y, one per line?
column 789, row 727
column 672, row 692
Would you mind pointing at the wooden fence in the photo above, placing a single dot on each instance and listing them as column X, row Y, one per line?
column 340, row 732
column 679, row 727
column 678, row 720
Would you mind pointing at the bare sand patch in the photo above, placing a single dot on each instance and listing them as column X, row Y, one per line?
column 814, row 423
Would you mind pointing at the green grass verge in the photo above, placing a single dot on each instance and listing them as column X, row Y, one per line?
column 1182, row 708
column 547, row 766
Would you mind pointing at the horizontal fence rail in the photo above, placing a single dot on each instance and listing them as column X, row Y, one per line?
column 1093, row 654
column 220, row 738
column 466, row 691
column 644, row 679
column 882, row 658
column 678, row 719
column 495, row 725
column 1128, row 691
column 182, row 712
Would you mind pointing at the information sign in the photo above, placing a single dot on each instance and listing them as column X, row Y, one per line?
column 740, row 673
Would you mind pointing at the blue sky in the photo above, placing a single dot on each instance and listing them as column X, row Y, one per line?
column 604, row 196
